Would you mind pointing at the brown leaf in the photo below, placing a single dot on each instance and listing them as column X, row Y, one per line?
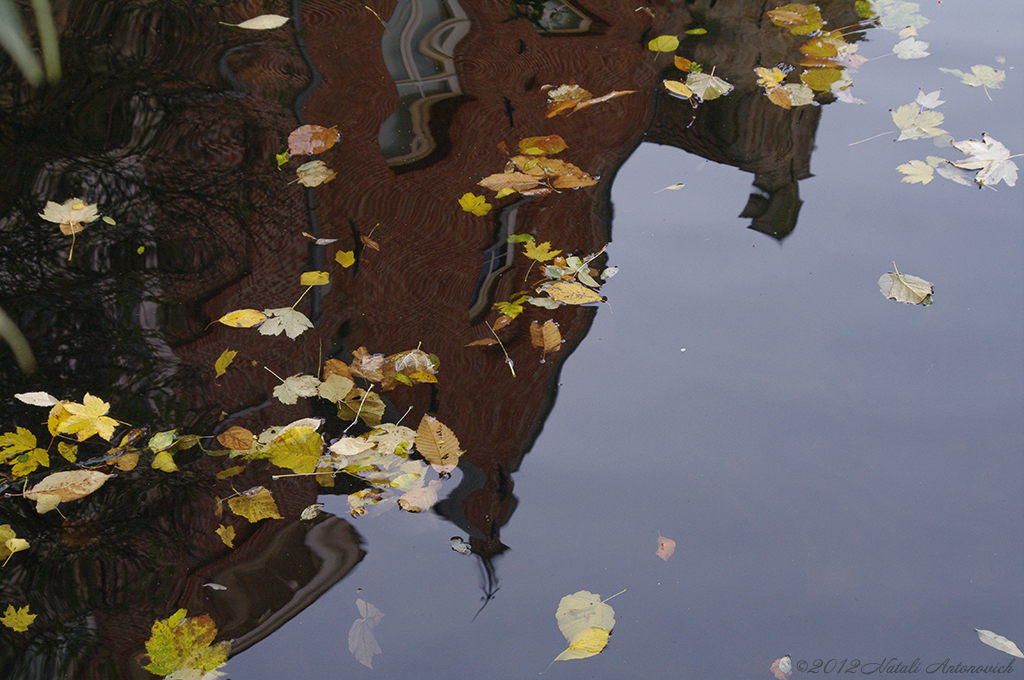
column 600, row 100
column 666, row 546
column 501, row 322
column 484, row 341
column 546, row 336
column 369, row 242
column 336, row 367
column 236, row 438
column 311, row 139
column 436, row 442
column 516, row 181
column 542, row 146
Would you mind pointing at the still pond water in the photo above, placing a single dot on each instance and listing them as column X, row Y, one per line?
column 842, row 474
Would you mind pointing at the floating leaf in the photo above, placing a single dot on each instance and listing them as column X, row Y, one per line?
column 685, row 65
column 782, row 668
column 223, row 361
column 436, row 442
column 346, row 258
column 541, row 253
column 769, row 79
column 990, row 158
column 911, row 49
column 261, row 23
column 546, row 336
column 285, row 320
column 88, row 418
column 421, row 498
column 821, row 79
column 980, row 76
column 314, row 278
column 516, row 181
column 930, row 100
column 477, row 205
column 297, row 449
column 917, row 172
column 677, row 89
column 296, row 386
column 164, row 461
column 664, row 43
column 916, row 123
column 542, row 146
column 255, row 504
column 999, row 642
column 312, row 139
column 799, row 19
column 37, row 399
column 361, row 642
column 368, row 405
column 227, row 535
column 666, row 546
column 236, row 438
column 71, row 215
column 586, row 622
column 906, row 288
column 335, row 388
column 707, row 86
column 571, row 293
column 17, row 619
column 63, row 487
column 243, row 318
column 314, row 173
column 459, row 545
column 178, row 643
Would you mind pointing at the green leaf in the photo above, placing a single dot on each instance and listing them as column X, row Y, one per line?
column 664, row 43
column 178, row 643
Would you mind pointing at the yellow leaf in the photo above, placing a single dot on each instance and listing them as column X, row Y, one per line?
column 540, row 146
column 572, row 293
column 346, row 258
column 664, row 43
column 314, row 173
column 540, row 253
column 9, row 543
column 769, row 78
column 586, row 622
column 179, row 643
column 546, row 336
column 164, row 461
column 88, row 418
column 225, row 359
column 29, row 461
column 906, row 288
column 69, row 451
column 298, row 449
column 255, row 504
column 227, row 534
column 821, row 79
column 243, row 318
column 436, row 442
column 678, row 88
column 17, row 619
column 586, row 643
column 477, row 205
column 315, row 278
column 370, row 410
column 16, row 443
column 65, row 486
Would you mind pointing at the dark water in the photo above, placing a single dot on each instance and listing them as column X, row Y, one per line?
column 841, row 473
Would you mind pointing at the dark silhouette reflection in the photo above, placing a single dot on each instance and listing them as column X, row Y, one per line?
column 170, row 122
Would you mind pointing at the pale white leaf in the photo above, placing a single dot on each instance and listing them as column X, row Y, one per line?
column 911, row 49
column 296, row 386
column 999, row 642
column 285, row 320
column 37, row 399
column 906, row 288
column 261, row 23
column 361, row 641
column 930, row 100
column 990, row 158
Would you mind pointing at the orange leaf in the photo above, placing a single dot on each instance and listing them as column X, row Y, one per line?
column 540, row 146
column 310, row 139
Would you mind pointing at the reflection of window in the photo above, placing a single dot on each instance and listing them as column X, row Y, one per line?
column 419, row 47
column 552, row 16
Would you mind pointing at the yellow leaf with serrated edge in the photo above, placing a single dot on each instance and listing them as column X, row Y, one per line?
column 315, row 278
column 16, row 443
column 346, row 258
column 224, row 360
column 17, row 619
column 227, row 534
column 255, row 504
column 243, row 318
column 179, row 643
column 29, row 461
column 436, row 442
column 477, row 205
column 541, row 253
column 572, row 293
column 88, row 418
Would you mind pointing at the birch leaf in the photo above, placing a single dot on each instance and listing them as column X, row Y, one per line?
column 436, row 442
column 585, row 621
column 315, row 278
column 664, row 43
column 906, row 288
column 999, row 642
column 223, row 361
column 571, row 293
column 263, row 22
column 361, row 641
column 297, row 449
column 65, row 486
column 255, row 504
column 285, row 320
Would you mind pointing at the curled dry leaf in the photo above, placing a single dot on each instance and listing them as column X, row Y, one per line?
column 782, row 668
column 666, row 546
column 312, row 139
column 421, row 498
column 61, row 487
column 999, row 642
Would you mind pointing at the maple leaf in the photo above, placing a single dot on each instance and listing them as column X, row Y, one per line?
column 16, row 443
column 361, row 642
column 88, row 418
column 285, row 320
column 916, row 172
column 930, row 100
column 296, row 386
column 29, row 461
column 17, row 619
column 541, row 253
column 71, row 215
column 227, row 535
column 980, row 76
column 513, row 308
column 177, row 643
column 990, row 158
column 916, row 123
column 911, row 49
column 769, row 79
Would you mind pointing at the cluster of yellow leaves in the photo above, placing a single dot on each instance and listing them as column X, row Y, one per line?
column 571, row 98
column 533, row 172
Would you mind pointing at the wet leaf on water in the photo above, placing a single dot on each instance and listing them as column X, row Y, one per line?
column 236, row 438
column 782, row 668
column 477, row 205
column 164, row 462
column 17, row 619
column 72, row 215
column 798, row 18
column 545, row 336
column 916, row 123
column 178, row 643
column 664, row 43
column 296, row 386
column 459, row 545
column 999, row 642
column 285, row 320
column 585, row 622
column 821, row 79
column 421, row 498
column 311, row 512
column 88, row 418
column 666, row 546
column 10, row 543
column 548, row 145
column 911, row 49
column 516, row 181
column 255, row 504
column 980, row 76
column 707, row 86
column 677, row 88
column 315, row 278
column 243, row 318
column 571, row 293
column 436, row 442
column 482, row 342
column 930, row 100
column 541, row 253
column 990, row 158
column 906, row 288
column 297, row 449
column 916, row 172
column 319, row 241
column 346, row 258
column 312, row 139
column 361, row 641
column 769, row 78
column 223, row 361
column 687, row 66
column 368, row 405
column 227, row 535
column 314, row 173
column 335, row 388
column 263, row 22
column 61, row 487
